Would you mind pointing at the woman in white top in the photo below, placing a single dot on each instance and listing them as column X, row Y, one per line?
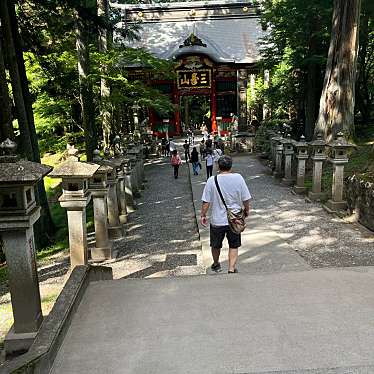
column 209, row 163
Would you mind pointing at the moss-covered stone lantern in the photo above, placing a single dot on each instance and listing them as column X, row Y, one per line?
column 318, row 152
column 75, row 197
column 339, row 149
column 18, row 213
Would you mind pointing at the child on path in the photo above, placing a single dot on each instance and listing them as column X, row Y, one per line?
column 175, row 162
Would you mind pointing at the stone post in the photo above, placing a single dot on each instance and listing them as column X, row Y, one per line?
column 278, row 159
column 339, row 149
column 318, row 157
column 18, row 213
column 132, row 154
column 242, row 99
column 99, row 190
column 130, row 202
column 288, row 155
column 75, row 198
column 301, row 156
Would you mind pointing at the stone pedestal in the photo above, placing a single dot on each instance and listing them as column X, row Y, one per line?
column 336, row 202
column 288, row 153
column 134, row 175
column 23, row 283
column 300, row 188
column 103, row 247
column 278, row 161
column 115, row 228
column 77, row 223
column 130, row 202
column 121, row 197
column 316, row 193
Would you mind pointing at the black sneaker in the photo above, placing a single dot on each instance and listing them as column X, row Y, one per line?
column 216, row 267
column 233, row 272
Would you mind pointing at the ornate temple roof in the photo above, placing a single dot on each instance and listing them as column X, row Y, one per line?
column 229, row 30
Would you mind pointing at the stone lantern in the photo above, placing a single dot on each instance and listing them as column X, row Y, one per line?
column 339, row 157
column 18, row 213
column 301, row 156
column 135, row 170
column 288, row 152
column 98, row 186
column 115, row 227
column 318, row 150
column 75, row 198
column 122, row 206
column 278, row 158
column 274, row 139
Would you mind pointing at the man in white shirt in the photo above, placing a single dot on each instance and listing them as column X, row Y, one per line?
column 236, row 195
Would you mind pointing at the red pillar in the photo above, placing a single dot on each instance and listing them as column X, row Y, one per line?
column 177, row 118
column 213, row 105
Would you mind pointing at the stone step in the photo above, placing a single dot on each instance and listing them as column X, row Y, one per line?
column 299, row 320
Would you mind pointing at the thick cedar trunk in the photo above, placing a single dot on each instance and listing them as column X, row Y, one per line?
column 85, row 85
column 336, row 111
column 21, row 113
column 44, row 227
column 103, row 10
column 6, row 127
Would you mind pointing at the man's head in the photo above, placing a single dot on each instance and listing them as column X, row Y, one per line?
column 185, row 141
column 225, row 163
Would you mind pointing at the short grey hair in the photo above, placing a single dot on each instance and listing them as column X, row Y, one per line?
column 225, row 163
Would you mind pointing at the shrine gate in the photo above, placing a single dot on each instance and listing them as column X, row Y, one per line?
column 214, row 45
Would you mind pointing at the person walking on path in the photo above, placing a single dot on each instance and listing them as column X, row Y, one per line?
column 209, row 163
column 236, row 195
column 217, row 153
column 186, row 147
column 175, row 162
column 172, row 146
column 167, row 147
column 202, row 148
column 195, row 161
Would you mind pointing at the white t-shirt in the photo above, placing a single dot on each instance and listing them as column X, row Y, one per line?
column 172, row 146
column 209, row 160
column 234, row 191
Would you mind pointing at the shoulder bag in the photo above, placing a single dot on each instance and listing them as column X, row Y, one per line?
column 236, row 220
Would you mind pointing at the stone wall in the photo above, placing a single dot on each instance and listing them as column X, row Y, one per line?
column 360, row 199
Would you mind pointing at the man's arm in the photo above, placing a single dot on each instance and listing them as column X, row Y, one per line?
column 247, row 207
column 204, row 211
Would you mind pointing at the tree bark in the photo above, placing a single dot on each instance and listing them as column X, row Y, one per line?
column 11, row 57
column 6, row 127
column 85, row 85
column 44, row 227
column 103, row 11
column 336, row 110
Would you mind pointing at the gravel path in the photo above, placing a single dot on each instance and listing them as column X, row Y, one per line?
column 321, row 239
column 162, row 237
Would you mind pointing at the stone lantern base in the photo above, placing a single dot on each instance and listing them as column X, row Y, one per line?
column 335, row 206
column 287, row 181
column 299, row 190
column 102, row 253
column 18, row 343
column 316, row 196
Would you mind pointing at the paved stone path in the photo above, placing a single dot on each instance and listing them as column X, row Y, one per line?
column 287, row 233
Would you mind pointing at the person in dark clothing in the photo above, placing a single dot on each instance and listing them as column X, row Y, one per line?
column 195, row 161
column 208, row 143
column 186, row 147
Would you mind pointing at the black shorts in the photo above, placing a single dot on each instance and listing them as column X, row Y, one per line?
column 218, row 233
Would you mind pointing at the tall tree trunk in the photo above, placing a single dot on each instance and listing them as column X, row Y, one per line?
column 336, row 110
column 6, row 127
column 103, row 11
column 11, row 58
column 85, row 85
column 44, row 228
